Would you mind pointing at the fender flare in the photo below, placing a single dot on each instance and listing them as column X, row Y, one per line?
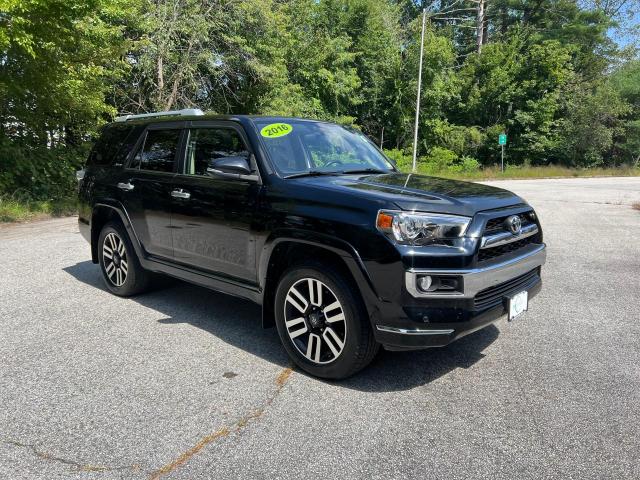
column 347, row 253
column 319, row 240
column 119, row 209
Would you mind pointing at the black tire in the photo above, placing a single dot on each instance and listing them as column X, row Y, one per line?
column 136, row 279
column 358, row 343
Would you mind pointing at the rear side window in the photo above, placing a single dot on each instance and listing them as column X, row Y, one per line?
column 158, row 154
column 108, row 149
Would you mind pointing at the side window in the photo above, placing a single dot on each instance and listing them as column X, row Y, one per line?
column 158, row 153
column 111, row 141
column 206, row 145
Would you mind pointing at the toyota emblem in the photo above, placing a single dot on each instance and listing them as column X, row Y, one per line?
column 514, row 224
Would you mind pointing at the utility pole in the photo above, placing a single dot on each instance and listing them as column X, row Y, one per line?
column 480, row 25
column 415, row 128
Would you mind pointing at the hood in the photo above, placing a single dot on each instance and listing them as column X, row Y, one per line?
column 420, row 192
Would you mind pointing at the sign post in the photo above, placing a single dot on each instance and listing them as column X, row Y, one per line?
column 502, row 141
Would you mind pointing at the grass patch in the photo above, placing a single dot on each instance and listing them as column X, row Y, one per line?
column 446, row 163
column 636, row 206
column 12, row 210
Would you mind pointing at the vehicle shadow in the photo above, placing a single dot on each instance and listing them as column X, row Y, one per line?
column 238, row 323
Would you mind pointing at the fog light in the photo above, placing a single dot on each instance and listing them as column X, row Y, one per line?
column 424, row 282
column 438, row 284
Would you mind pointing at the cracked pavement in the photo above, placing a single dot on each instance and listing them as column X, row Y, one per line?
column 182, row 383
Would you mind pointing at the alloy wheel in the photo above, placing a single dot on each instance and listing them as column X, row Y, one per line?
column 315, row 320
column 114, row 258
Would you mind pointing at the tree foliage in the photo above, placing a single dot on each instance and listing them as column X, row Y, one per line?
column 546, row 72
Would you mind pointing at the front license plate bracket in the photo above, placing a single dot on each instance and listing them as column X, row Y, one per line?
column 517, row 304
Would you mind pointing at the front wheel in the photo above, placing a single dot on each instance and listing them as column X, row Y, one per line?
column 322, row 322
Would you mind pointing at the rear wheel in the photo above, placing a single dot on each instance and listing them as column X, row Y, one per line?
column 322, row 322
column 121, row 270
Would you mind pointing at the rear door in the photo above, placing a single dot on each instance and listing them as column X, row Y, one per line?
column 213, row 215
column 146, row 184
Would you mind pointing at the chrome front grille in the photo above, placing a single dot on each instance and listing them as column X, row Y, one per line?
column 498, row 239
column 494, row 252
column 495, row 225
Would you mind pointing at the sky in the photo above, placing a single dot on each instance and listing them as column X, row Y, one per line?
column 628, row 36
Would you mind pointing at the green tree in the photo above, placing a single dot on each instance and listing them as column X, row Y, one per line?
column 320, row 59
column 626, row 82
column 218, row 55
column 56, row 74
column 518, row 89
column 592, row 120
column 59, row 60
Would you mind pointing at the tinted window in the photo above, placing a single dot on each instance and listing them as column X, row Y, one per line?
column 158, row 153
column 128, row 144
column 308, row 146
column 110, row 145
column 206, row 145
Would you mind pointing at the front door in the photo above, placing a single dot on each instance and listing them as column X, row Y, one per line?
column 213, row 215
column 145, row 189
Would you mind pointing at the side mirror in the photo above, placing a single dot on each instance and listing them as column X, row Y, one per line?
column 233, row 165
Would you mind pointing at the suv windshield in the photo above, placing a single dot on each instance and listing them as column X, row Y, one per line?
column 303, row 147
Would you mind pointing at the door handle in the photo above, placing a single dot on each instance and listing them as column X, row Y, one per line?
column 127, row 187
column 180, row 193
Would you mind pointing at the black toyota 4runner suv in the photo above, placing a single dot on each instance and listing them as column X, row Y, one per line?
column 309, row 219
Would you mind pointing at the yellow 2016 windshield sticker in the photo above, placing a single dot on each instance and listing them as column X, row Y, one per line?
column 275, row 130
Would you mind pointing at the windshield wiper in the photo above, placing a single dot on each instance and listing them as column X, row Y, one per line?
column 311, row 173
column 366, row 170
column 317, row 173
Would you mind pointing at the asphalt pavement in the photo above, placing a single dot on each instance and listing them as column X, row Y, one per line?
column 182, row 383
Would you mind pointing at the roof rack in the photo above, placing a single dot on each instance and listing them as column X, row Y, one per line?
column 187, row 112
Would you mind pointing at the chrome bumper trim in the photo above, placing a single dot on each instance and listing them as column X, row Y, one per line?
column 477, row 279
column 503, row 238
column 414, row 331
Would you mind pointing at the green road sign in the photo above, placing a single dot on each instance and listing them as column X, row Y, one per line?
column 502, row 139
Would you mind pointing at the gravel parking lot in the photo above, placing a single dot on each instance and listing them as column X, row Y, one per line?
column 183, row 382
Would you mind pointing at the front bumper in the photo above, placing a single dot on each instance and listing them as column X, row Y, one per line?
column 433, row 320
column 477, row 279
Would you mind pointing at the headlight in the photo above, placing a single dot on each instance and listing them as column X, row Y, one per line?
column 421, row 228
